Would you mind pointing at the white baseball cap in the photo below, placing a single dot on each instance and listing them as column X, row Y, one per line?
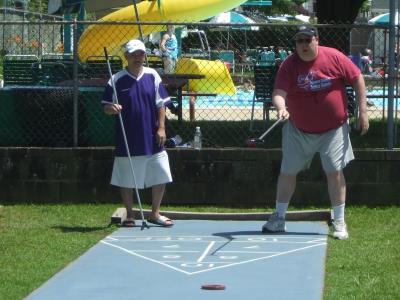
column 134, row 45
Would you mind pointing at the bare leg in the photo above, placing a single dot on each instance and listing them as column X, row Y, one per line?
column 168, row 66
column 286, row 187
column 157, row 196
column 337, row 194
column 157, row 192
column 127, row 199
column 192, row 110
column 336, row 188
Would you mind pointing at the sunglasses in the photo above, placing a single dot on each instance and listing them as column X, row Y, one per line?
column 305, row 41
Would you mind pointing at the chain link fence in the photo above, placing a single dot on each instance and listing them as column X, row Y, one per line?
column 222, row 82
column 28, row 37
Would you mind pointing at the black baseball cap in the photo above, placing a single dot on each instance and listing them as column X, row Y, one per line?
column 306, row 30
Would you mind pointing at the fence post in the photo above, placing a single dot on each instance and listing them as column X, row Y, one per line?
column 392, row 74
column 75, row 86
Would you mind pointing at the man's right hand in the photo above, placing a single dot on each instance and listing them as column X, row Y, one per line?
column 278, row 100
column 112, row 109
column 283, row 114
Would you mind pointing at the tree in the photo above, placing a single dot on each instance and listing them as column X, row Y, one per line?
column 39, row 6
column 337, row 12
column 280, row 7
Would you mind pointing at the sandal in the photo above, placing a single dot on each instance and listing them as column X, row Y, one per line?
column 128, row 223
column 161, row 221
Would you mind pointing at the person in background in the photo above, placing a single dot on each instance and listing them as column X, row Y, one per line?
column 142, row 99
column 248, row 85
column 366, row 62
column 396, row 55
column 169, row 49
column 310, row 93
column 192, row 108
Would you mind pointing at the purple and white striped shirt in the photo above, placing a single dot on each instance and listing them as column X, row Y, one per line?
column 140, row 98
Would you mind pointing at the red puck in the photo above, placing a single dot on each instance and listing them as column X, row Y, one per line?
column 214, row 287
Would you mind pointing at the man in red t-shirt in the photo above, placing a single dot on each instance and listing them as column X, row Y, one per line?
column 310, row 93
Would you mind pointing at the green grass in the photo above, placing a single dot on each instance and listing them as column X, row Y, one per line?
column 367, row 266
column 37, row 241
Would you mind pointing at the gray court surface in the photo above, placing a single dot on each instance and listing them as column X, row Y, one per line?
column 173, row 263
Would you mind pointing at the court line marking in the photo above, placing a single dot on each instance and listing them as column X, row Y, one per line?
column 181, row 237
column 316, row 240
column 204, row 254
column 274, row 241
column 165, row 251
column 210, row 245
column 144, row 257
column 261, row 258
column 246, row 252
column 203, row 262
column 213, row 268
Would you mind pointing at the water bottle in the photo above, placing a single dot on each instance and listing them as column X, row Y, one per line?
column 197, row 139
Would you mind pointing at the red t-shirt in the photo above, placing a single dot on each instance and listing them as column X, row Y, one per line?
column 316, row 98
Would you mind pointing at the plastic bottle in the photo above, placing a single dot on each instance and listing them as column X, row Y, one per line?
column 197, row 139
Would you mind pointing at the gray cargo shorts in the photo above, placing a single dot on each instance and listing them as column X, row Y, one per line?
column 299, row 148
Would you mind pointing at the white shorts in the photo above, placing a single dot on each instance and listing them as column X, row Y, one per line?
column 149, row 170
column 299, row 148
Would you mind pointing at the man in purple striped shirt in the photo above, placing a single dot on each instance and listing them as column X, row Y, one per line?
column 142, row 99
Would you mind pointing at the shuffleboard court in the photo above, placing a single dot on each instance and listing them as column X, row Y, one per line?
column 167, row 263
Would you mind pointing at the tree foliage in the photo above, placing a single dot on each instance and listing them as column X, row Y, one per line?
column 338, row 11
column 280, row 7
column 39, row 6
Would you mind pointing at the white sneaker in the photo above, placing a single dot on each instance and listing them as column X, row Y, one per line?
column 274, row 224
column 340, row 230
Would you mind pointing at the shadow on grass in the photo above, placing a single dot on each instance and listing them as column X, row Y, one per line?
column 82, row 229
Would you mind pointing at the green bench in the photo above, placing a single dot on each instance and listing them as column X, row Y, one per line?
column 17, row 69
column 96, row 67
